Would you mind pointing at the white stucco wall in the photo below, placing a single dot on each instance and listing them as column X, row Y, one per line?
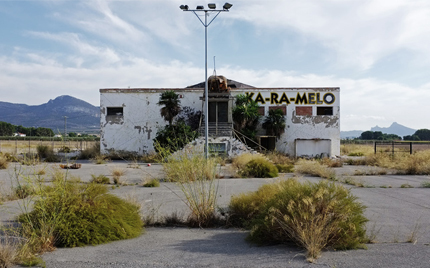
column 313, row 127
column 141, row 119
column 135, row 130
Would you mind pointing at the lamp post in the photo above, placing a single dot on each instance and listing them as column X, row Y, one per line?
column 212, row 9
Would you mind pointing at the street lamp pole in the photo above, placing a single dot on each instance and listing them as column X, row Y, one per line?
column 212, row 8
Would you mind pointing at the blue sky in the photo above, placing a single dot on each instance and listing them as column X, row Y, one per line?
column 376, row 51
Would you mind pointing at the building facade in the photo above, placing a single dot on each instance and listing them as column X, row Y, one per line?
column 130, row 118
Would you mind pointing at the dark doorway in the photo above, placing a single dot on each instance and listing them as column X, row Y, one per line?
column 218, row 112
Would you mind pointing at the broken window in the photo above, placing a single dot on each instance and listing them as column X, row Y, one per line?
column 324, row 110
column 302, row 110
column 115, row 111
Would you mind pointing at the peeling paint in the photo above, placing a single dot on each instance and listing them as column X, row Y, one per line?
column 114, row 119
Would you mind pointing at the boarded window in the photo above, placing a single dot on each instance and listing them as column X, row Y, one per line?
column 115, row 111
column 261, row 110
column 283, row 108
column 324, row 110
column 301, row 110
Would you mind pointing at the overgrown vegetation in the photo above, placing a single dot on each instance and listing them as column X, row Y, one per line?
column 174, row 137
column 314, row 216
column 4, row 161
column 246, row 116
column 314, row 168
column 196, row 177
column 417, row 163
column 100, row 179
column 151, row 183
column 91, row 152
column 274, row 123
column 67, row 215
column 260, row 168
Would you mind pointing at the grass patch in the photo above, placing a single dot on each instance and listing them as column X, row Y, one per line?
column 100, row 179
column 314, row 216
column 69, row 215
column 314, row 168
column 151, row 183
column 406, row 185
column 356, row 149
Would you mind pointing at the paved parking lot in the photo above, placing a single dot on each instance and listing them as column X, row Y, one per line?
column 395, row 214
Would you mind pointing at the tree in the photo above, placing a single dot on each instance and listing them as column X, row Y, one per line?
column 190, row 117
column 274, row 123
column 170, row 101
column 174, row 137
column 366, row 135
column 72, row 134
column 246, row 116
column 6, row 129
column 423, row 134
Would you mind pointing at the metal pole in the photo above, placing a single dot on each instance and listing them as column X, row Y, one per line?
column 206, row 89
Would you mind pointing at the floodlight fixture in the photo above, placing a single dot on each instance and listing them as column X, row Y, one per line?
column 227, row 6
column 212, row 9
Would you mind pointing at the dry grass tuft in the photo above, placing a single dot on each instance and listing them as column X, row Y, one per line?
column 314, row 168
column 356, row 149
column 4, row 162
column 117, row 173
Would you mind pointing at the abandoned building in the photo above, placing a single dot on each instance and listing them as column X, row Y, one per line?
column 130, row 117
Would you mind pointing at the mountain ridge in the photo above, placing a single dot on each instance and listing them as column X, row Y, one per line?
column 81, row 116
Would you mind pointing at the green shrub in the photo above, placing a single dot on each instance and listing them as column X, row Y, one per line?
column 425, row 184
column 102, row 179
column 44, row 151
column 314, row 216
column 81, row 215
column 152, row 183
column 246, row 206
column 91, row 152
column 260, row 168
column 285, row 168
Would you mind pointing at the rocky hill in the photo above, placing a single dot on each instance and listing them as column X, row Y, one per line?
column 395, row 128
column 81, row 115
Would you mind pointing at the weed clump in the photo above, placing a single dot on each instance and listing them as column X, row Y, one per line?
column 314, row 216
column 196, row 178
column 70, row 215
column 90, row 153
column 100, row 179
column 259, row 168
column 314, row 168
column 4, row 162
column 151, row 183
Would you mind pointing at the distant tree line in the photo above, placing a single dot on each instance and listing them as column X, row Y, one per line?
column 7, row 129
column 419, row 135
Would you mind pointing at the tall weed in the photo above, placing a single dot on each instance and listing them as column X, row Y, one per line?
column 196, row 178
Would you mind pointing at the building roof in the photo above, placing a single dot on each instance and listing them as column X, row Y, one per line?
column 230, row 83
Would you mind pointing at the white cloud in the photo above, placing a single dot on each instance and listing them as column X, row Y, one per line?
column 361, row 32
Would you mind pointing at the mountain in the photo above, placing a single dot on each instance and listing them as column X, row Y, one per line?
column 81, row 115
column 395, row 128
